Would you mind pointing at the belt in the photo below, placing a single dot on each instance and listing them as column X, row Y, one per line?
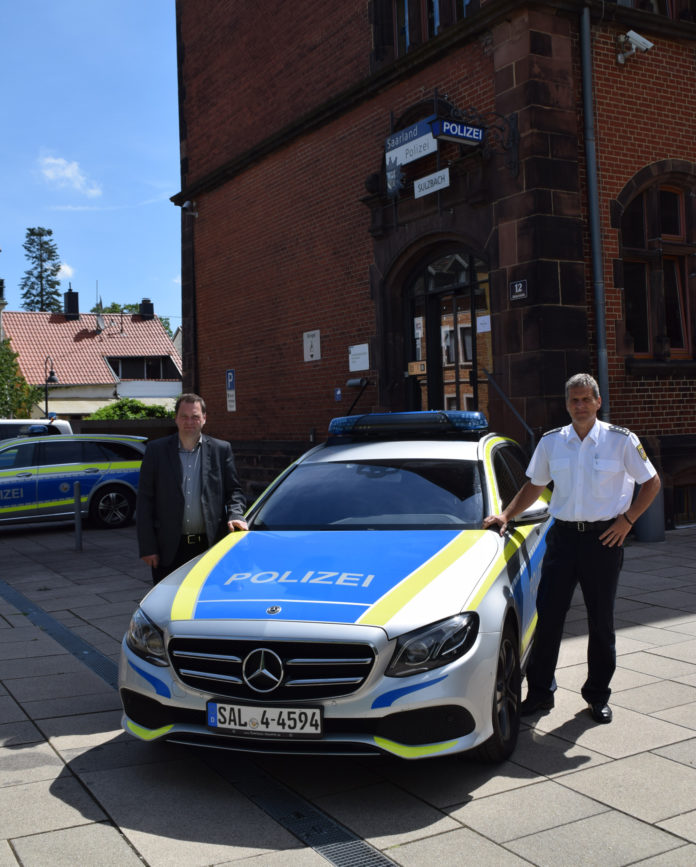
column 194, row 539
column 586, row 526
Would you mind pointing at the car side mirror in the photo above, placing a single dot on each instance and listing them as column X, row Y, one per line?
column 535, row 514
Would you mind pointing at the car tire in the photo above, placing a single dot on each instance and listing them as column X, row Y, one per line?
column 507, row 696
column 112, row 507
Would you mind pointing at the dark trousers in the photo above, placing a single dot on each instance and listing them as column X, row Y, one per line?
column 574, row 558
column 189, row 546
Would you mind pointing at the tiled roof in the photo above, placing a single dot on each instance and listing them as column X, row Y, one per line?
column 78, row 350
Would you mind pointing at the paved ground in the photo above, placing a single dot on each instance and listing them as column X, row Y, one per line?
column 75, row 790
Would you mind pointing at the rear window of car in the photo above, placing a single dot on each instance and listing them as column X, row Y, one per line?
column 381, row 495
column 120, row 452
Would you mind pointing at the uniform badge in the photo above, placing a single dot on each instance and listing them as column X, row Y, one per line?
column 641, row 452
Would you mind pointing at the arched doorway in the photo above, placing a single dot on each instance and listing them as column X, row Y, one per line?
column 447, row 331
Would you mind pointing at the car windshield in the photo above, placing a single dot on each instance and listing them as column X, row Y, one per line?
column 376, row 495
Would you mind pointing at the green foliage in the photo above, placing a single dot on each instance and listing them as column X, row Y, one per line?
column 40, row 282
column 115, row 307
column 16, row 396
column 128, row 408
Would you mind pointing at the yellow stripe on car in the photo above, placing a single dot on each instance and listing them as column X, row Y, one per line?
column 514, row 543
column 186, row 597
column 408, row 752
column 147, row 734
column 385, row 608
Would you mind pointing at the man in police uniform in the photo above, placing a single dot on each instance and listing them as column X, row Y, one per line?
column 593, row 466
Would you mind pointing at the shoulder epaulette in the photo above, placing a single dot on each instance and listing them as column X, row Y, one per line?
column 555, row 430
column 622, row 430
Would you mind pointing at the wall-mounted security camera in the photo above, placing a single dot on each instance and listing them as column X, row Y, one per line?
column 636, row 43
column 190, row 209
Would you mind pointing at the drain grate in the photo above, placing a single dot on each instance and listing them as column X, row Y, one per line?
column 98, row 663
column 302, row 819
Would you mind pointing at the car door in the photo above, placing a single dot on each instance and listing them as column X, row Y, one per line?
column 61, row 464
column 18, row 482
column 509, row 464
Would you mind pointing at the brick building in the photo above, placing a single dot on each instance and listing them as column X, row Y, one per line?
column 398, row 204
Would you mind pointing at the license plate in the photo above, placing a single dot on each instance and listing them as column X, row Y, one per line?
column 258, row 721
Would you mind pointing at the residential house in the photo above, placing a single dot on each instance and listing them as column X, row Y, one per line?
column 85, row 361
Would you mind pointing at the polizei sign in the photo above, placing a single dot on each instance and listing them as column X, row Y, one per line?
column 461, row 133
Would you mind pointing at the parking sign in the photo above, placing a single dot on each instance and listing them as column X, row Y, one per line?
column 231, row 387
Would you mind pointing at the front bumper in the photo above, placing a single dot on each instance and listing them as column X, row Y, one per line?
column 445, row 710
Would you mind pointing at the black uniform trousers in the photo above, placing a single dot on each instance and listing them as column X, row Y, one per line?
column 573, row 557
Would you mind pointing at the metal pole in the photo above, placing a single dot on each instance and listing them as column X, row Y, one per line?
column 78, row 517
column 593, row 208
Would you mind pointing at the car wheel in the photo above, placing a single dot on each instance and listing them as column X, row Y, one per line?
column 506, row 702
column 112, row 507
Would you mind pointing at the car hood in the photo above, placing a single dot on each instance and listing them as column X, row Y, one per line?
column 386, row 578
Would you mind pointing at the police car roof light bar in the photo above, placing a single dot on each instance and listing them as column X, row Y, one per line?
column 430, row 422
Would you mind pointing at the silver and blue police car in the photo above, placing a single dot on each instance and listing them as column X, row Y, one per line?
column 364, row 612
column 38, row 476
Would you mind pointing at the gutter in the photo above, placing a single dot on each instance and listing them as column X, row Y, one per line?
column 597, row 253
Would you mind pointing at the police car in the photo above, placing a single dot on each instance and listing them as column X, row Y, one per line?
column 365, row 611
column 38, row 476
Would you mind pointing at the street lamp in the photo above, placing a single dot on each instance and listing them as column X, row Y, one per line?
column 50, row 378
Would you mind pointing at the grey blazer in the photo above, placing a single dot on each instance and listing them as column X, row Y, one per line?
column 160, row 506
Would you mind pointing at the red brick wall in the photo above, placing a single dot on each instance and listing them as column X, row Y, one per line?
column 644, row 115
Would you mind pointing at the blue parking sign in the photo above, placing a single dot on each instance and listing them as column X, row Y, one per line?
column 231, row 388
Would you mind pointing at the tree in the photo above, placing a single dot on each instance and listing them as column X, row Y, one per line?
column 40, row 282
column 128, row 408
column 115, row 307
column 16, row 396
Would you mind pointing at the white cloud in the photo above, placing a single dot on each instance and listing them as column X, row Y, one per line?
column 62, row 173
column 66, row 272
column 177, row 280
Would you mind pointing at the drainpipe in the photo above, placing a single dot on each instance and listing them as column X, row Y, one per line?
column 593, row 206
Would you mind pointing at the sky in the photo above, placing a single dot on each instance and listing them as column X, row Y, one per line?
column 89, row 147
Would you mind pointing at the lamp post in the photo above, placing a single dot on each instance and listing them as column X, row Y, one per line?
column 50, row 378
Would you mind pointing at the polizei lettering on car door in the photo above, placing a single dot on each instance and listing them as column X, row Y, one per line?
column 349, row 579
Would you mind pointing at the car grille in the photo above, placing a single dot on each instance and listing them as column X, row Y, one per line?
column 298, row 670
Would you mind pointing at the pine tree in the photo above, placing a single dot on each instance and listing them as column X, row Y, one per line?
column 40, row 282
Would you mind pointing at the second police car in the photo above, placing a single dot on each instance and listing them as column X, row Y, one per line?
column 38, row 476
column 364, row 612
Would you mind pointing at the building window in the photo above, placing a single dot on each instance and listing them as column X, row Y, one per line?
column 402, row 25
column 679, row 10
column 657, row 243
column 144, row 367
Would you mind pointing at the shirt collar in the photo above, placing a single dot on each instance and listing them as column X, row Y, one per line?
column 593, row 433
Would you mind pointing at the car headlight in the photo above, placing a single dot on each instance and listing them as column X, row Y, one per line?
column 145, row 639
column 434, row 645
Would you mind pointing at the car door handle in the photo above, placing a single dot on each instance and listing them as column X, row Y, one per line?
column 92, row 470
column 24, row 475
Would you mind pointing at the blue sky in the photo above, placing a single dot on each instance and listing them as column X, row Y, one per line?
column 90, row 147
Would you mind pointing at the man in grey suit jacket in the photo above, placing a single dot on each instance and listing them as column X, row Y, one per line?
column 189, row 495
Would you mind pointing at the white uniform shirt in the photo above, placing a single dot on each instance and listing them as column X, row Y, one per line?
column 593, row 478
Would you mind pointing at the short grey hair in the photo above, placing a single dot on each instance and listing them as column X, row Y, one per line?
column 581, row 380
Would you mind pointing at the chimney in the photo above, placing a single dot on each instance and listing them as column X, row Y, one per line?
column 147, row 309
column 71, row 307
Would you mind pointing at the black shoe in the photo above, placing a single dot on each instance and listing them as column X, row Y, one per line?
column 533, row 705
column 601, row 712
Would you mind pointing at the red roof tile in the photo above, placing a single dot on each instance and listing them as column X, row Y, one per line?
column 78, row 350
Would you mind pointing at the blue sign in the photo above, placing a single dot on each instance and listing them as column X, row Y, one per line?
column 411, row 133
column 458, row 132
column 231, row 389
